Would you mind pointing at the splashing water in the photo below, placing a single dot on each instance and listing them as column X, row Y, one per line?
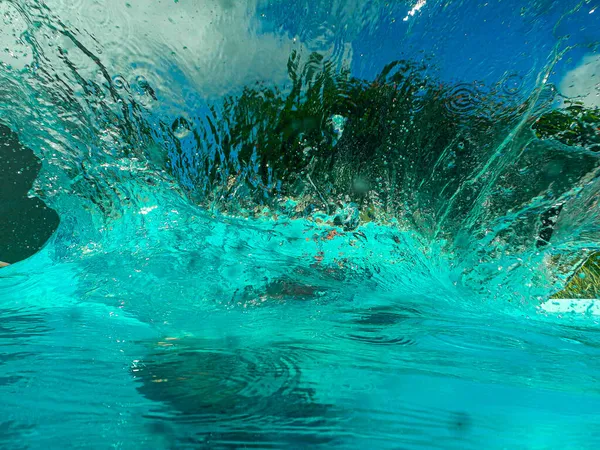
column 304, row 224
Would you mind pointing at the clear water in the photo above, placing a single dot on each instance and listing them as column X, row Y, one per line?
column 166, row 314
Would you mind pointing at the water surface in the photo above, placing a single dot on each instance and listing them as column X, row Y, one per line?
column 302, row 225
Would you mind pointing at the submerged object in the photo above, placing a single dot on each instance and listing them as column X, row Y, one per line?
column 348, row 217
column 584, row 284
column 26, row 223
column 338, row 122
column 261, row 391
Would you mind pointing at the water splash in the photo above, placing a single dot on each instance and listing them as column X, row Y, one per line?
column 264, row 219
column 433, row 159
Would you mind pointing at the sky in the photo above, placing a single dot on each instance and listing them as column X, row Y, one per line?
column 215, row 47
column 488, row 40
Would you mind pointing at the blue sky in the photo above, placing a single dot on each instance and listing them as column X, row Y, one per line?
column 481, row 41
column 468, row 40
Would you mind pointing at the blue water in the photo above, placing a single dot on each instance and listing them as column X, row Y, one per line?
column 165, row 314
column 233, row 337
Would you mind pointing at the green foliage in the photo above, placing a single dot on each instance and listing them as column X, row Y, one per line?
column 410, row 148
column 398, row 130
column 574, row 125
column 585, row 282
column 282, row 132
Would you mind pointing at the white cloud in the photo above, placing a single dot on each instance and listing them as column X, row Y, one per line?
column 216, row 44
column 583, row 82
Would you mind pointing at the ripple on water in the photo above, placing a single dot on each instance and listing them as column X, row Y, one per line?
column 22, row 324
column 236, row 395
column 12, row 433
column 379, row 326
column 464, row 99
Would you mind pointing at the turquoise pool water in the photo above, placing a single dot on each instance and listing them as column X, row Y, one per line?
column 232, row 337
column 204, row 291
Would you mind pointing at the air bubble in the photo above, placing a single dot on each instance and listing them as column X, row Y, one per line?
column 513, row 84
column 141, row 85
column 181, row 128
column 119, row 82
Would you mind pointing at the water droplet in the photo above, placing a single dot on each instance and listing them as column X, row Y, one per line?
column 141, row 81
column 512, row 84
column 141, row 85
column 582, row 275
column 181, row 128
column 119, row 82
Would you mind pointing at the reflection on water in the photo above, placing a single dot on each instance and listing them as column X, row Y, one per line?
column 301, row 224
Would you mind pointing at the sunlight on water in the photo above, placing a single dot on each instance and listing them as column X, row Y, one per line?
column 301, row 224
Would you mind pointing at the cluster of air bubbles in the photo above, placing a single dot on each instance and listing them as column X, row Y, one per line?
column 451, row 160
column 418, row 100
column 139, row 87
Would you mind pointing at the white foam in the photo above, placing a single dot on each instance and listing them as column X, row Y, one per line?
column 572, row 305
